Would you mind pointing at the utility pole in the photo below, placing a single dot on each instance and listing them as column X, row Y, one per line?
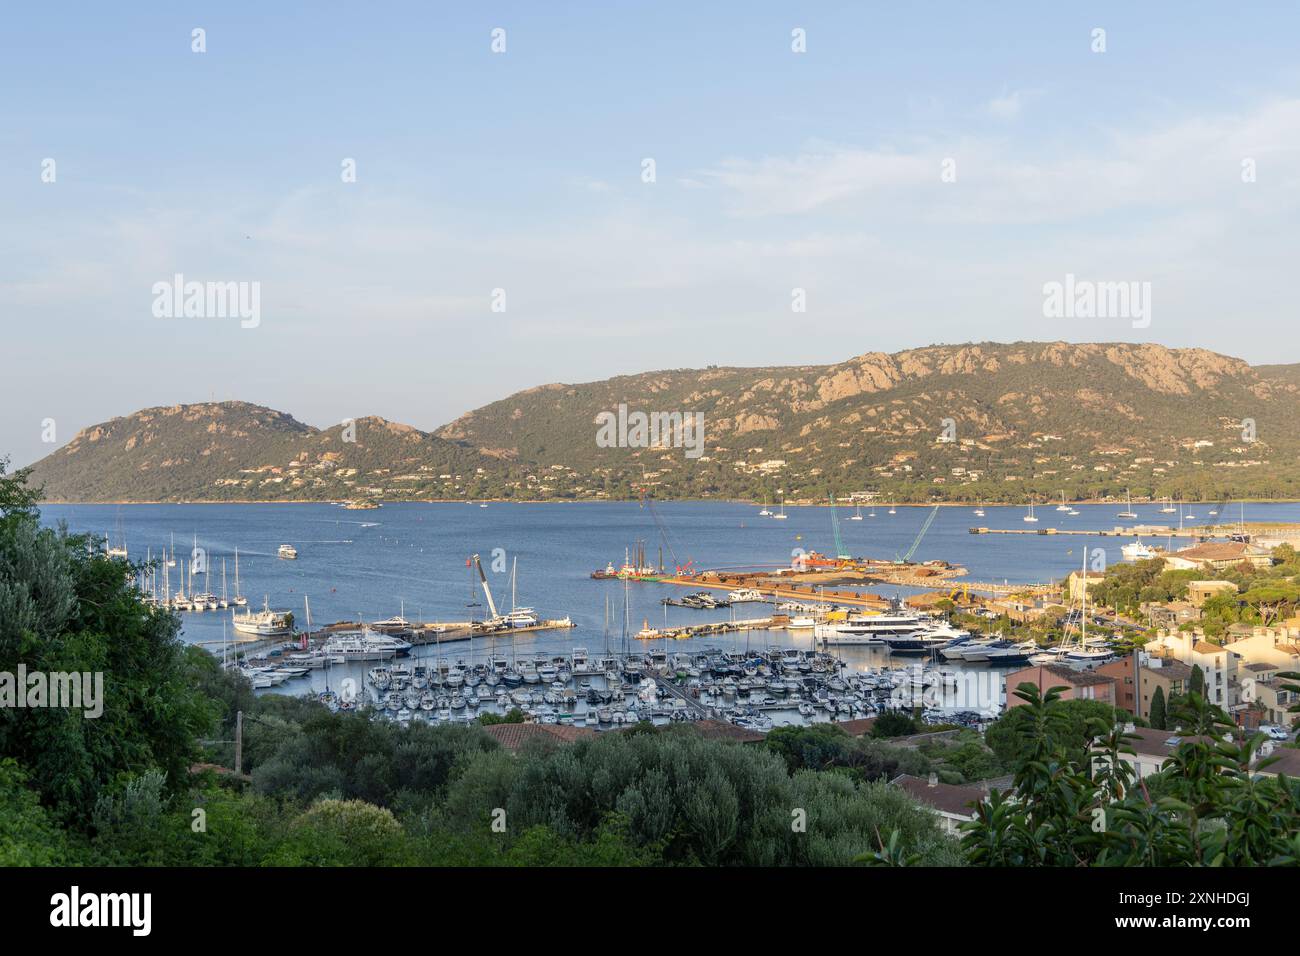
column 239, row 742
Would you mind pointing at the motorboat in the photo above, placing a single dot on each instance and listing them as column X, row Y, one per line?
column 1137, row 551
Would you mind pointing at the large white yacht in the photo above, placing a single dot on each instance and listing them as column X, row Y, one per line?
column 901, row 632
column 263, row 623
column 365, row 645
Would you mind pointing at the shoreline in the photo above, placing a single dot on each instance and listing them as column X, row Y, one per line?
column 594, row 501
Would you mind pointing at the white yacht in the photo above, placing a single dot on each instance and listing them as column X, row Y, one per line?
column 263, row 623
column 901, row 632
column 288, row 552
column 396, row 623
column 522, row 617
column 364, row 645
column 1137, row 551
column 746, row 595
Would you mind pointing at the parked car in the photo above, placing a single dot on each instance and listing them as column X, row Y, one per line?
column 1274, row 732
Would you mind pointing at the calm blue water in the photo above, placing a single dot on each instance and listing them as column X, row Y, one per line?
column 366, row 564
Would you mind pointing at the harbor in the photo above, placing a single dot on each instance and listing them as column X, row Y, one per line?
column 732, row 603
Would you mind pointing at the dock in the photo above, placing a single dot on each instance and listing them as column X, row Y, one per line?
column 668, row 689
column 1135, row 531
column 685, row 631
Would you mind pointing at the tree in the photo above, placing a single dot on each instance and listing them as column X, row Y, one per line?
column 1012, row 738
column 342, row 833
column 1206, row 806
column 1158, row 716
column 1196, row 685
column 894, row 723
column 64, row 609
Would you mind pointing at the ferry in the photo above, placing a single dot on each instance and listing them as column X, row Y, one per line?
column 288, row 551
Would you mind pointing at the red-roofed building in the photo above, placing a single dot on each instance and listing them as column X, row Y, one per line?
column 951, row 803
column 515, row 737
column 1079, row 685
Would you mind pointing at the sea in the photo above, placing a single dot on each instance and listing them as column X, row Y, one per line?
column 414, row 558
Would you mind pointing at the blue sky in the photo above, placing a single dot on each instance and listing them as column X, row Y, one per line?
column 522, row 171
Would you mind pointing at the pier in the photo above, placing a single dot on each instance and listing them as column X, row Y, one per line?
column 669, row 689
column 1141, row 531
column 684, row 631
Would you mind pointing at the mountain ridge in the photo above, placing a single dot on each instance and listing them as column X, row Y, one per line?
column 966, row 421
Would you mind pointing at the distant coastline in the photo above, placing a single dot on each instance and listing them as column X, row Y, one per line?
column 584, row 501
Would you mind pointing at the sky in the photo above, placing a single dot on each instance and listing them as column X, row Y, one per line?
column 920, row 171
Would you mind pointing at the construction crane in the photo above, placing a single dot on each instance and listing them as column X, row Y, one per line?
column 925, row 526
column 840, row 551
column 486, row 590
column 648, row 502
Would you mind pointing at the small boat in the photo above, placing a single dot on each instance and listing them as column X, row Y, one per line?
column 781, row 515
column 1128, row 511
column 765, row 513
column 1030, row 517
column 1063, row 506
column 857, row 515
column 288, row 552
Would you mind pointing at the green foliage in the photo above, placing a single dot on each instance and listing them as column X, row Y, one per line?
column 1014, row 736
column 1158, row 717
column 894, row 723
column 29, row 836
column 1205, row 807
column 64, row 610
column 342, row 833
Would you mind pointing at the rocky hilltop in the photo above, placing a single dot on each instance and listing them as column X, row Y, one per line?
column 985, row 421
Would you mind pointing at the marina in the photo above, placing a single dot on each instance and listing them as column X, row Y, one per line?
column 716, row 596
